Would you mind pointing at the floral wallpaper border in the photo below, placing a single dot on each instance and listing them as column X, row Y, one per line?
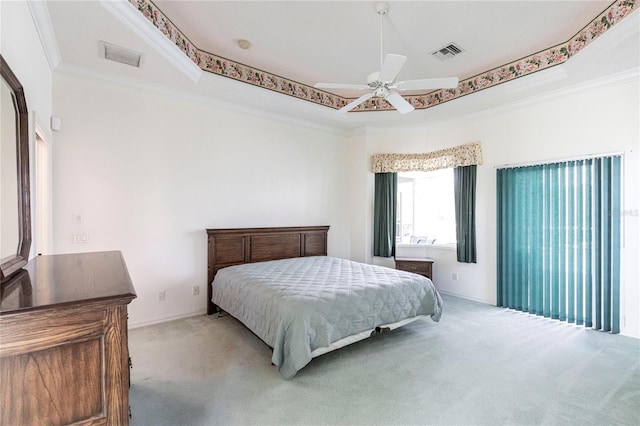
column 457, row 156
column 548, row 58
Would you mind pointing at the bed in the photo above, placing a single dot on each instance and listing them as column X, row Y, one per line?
column 280, row 283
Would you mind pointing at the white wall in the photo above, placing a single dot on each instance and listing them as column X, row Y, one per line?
column 359, row 186
column 148, row 174
column 597, row 120
column 21, row 48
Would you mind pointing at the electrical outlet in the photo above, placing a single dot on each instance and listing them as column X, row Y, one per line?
column 161, row 296
column 454, row 276
column 81, row 237
column 196, row 290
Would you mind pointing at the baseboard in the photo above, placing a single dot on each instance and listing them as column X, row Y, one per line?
column 461, row 296
column 449, row 293
column 629, row 335
column 160, row 321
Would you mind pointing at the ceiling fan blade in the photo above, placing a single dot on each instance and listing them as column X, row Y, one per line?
column 391, row 66
column 399, row 103
column 428, row 83
column 352, row 105
column 341, row 86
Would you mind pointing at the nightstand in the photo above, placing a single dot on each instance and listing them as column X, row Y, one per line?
column 417, row 265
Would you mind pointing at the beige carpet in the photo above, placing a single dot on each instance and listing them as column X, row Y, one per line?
column 478, row 365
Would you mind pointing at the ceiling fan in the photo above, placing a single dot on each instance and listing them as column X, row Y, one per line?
column 383, row 83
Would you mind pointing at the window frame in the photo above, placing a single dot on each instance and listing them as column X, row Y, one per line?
column 440, row 246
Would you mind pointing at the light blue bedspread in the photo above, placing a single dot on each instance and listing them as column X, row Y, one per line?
column 299, row 305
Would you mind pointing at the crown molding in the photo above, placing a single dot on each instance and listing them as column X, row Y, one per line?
column 159, row 89
column 613, row 80
column 158, row 31
column 127, row 13
column 360, row 128
column 624, row 77
column 617, row 11
column 624, row 29
column 44, row 27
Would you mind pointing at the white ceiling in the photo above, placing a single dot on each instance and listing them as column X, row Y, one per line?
column 312, row 41
column 339, row 41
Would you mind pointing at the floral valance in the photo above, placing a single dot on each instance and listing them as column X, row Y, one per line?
column 458, row 156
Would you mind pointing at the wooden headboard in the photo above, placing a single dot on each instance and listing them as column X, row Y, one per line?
column 227, row 247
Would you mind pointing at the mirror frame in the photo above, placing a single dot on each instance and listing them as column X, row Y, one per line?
column 13, row 264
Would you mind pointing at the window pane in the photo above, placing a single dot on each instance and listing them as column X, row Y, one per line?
column 426, row 211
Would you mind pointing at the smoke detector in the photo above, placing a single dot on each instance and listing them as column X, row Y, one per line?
column 244, row 44
column 120, row 54
column 448, row 51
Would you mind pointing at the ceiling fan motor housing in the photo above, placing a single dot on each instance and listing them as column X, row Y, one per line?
column 382, row 7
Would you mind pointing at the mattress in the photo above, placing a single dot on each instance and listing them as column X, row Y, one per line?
column 306, row 306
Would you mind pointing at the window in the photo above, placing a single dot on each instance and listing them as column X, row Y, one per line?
column 426, row 209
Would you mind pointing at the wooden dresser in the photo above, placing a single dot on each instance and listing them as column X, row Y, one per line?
column 63, row 341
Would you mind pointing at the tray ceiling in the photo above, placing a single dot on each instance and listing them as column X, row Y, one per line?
column 295, row 44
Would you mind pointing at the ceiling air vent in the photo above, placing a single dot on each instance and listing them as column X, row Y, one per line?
column 448, row 51
column 120, row 54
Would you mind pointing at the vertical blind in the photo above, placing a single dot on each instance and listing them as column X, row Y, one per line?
column 558, row 241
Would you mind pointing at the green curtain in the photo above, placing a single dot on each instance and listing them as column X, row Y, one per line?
column 558, row 241
column 384, row 214
column 464, row 183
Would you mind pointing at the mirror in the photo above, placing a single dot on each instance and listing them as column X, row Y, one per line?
column 15, row 212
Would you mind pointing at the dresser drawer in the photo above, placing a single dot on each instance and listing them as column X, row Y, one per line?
column 422, row 267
